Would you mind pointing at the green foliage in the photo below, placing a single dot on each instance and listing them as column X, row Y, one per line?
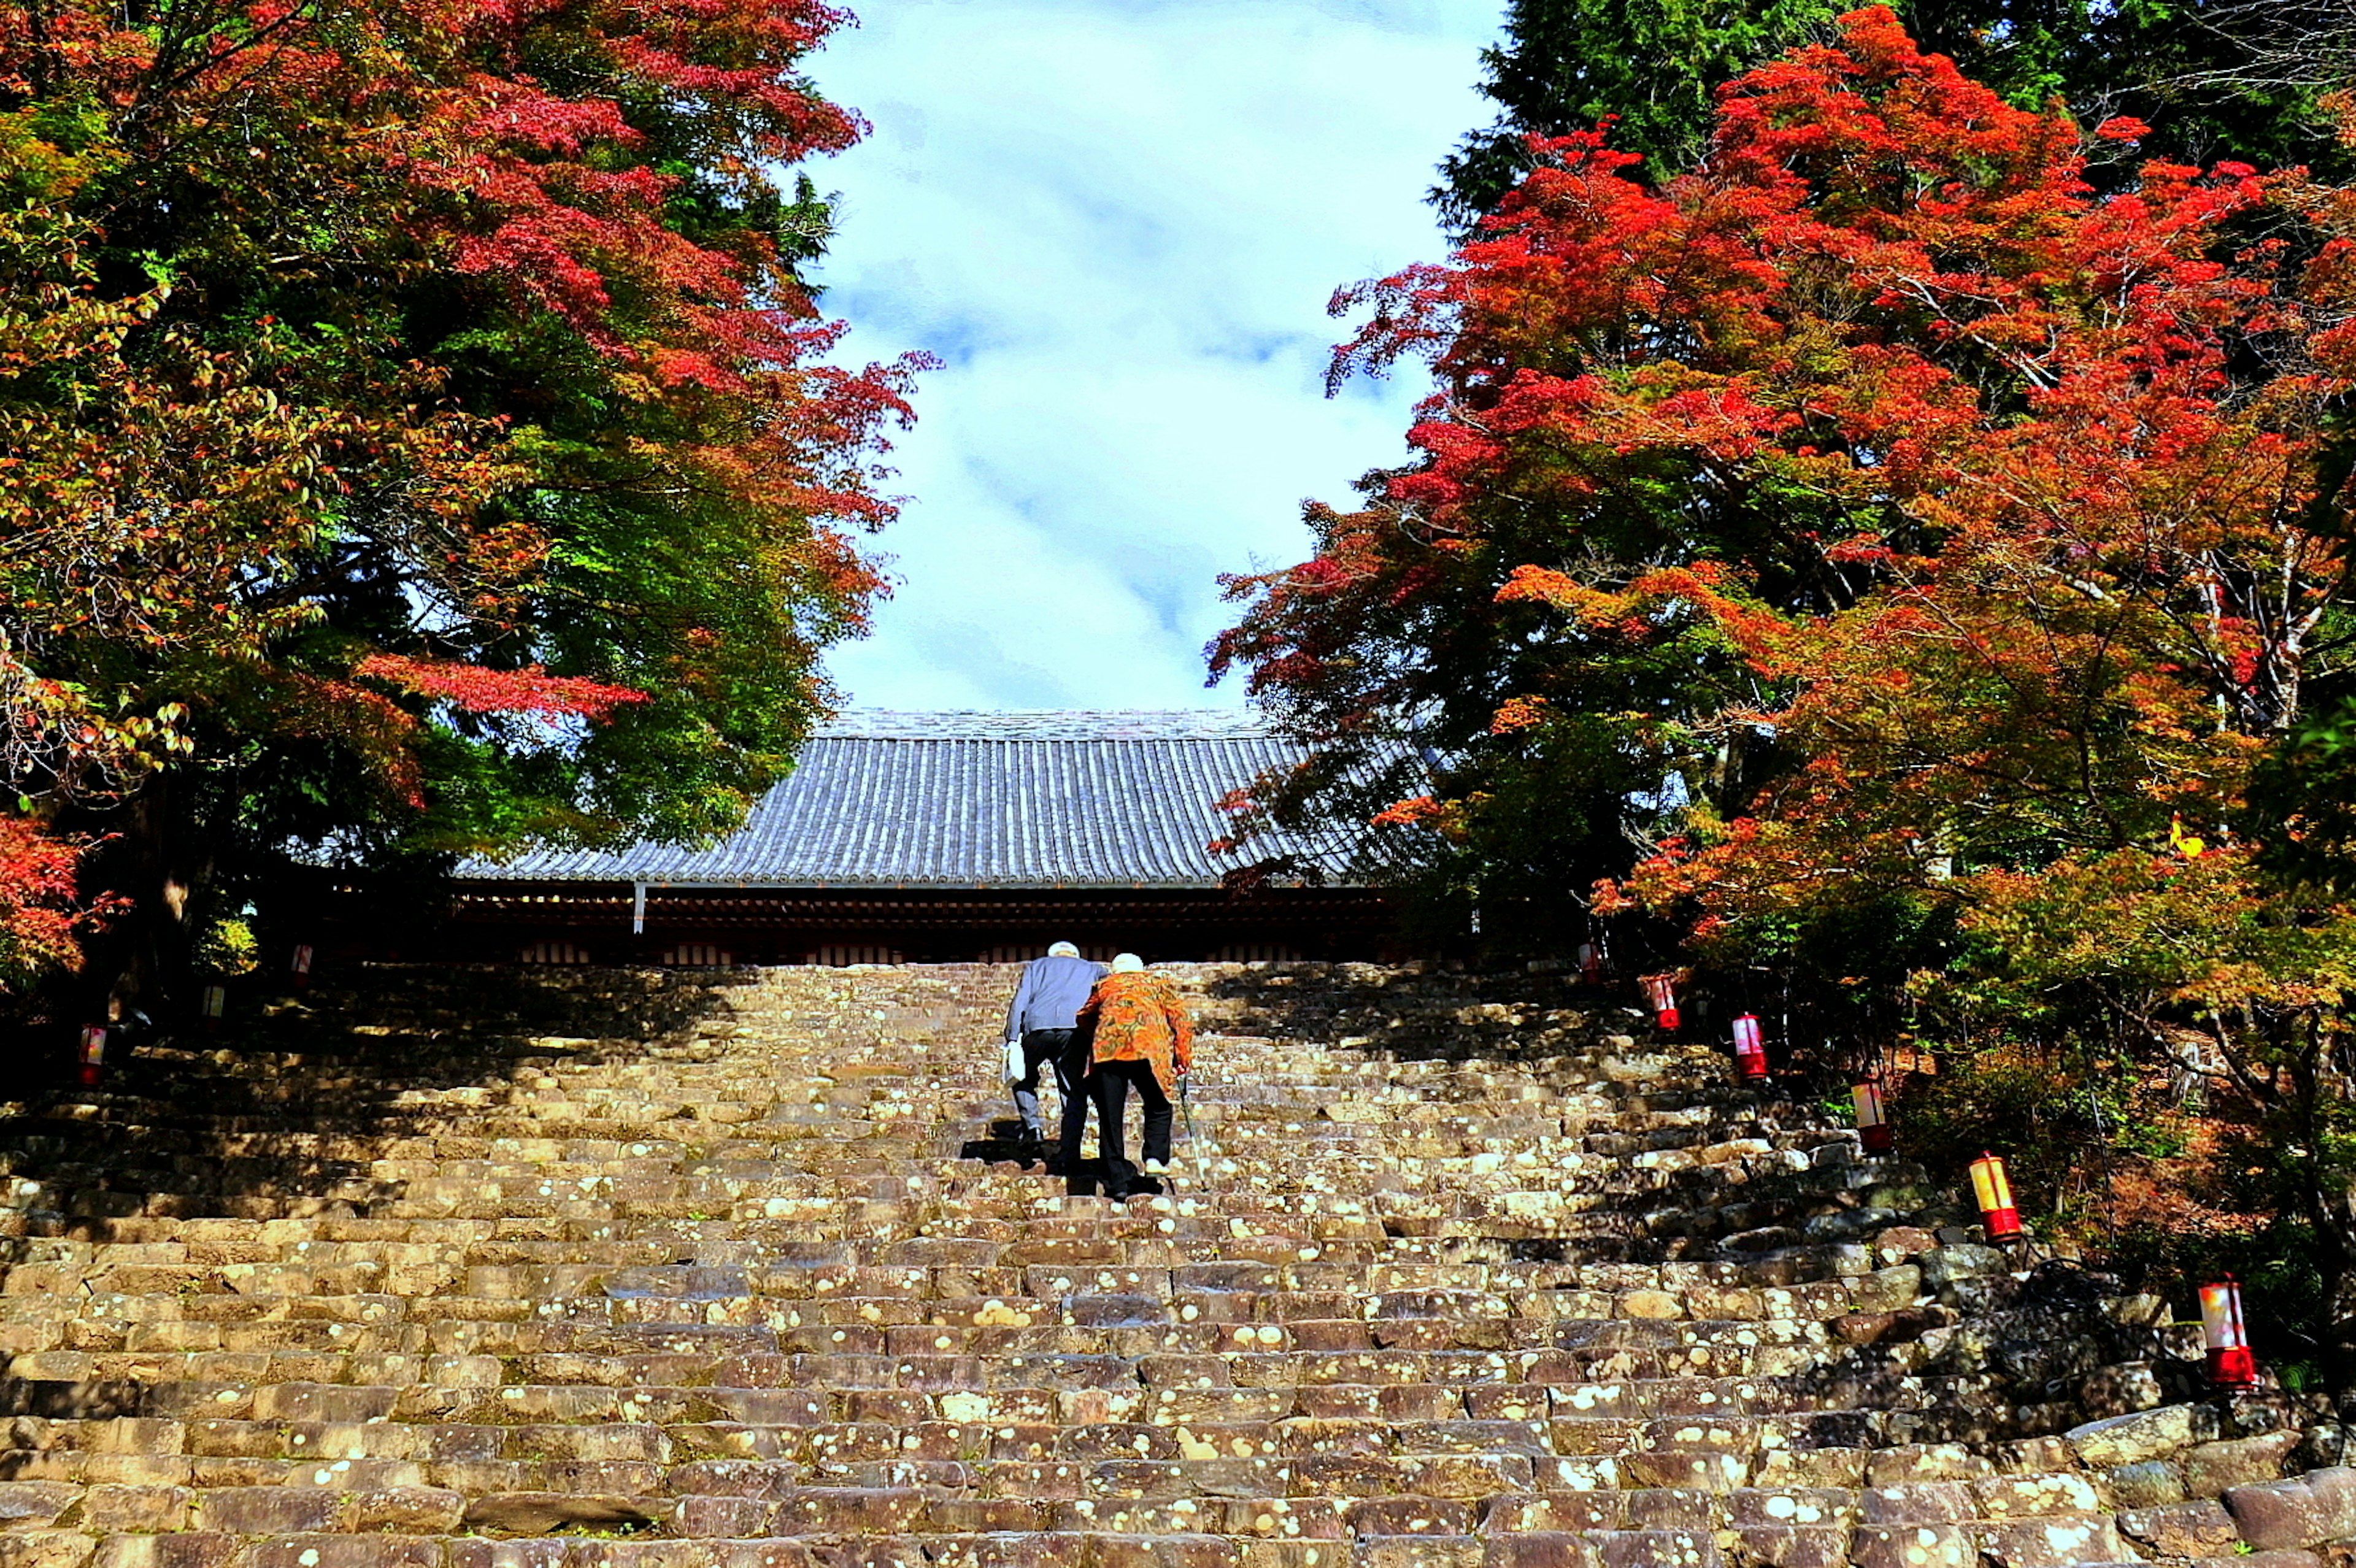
column 415, row 434
column 2063, row 1112
column 1652, row 69
column 1649, row 67
column 227, row 947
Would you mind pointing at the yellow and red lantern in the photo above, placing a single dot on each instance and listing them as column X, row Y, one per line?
column 301, row 968
column 1873, row 1129
column 92, row 1055
column 1661, row 991
column 216, row 1004
column 1749, row 1050
column 2231, row 1365
column 1999, row 1217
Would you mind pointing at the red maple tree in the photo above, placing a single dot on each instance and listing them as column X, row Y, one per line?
column 1882, row 561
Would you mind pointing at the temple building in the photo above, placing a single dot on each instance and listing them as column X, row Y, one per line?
column 952, row 836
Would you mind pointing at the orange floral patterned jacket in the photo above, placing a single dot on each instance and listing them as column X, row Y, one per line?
column 1137, row 1017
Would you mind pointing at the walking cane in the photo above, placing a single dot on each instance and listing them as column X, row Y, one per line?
column 1186, row 1112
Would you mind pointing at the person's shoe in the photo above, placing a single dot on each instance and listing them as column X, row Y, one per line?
column 1157, row 1167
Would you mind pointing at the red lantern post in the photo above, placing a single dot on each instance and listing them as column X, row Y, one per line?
column 1998, row 1218
column 301, row 968
column 1590, row 963
column 93, row 1056
column 1662, row 992
column 2231, row 1365
column 216, row 1005
column 1749, row 1050
column 1873, row 1130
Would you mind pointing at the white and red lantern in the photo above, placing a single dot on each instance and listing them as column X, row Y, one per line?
column 1999, row 1217
column 1590, row 963
column 1749, row 1050
column 2231, row 1365
column 1662, row 992
column 216, row 1005
column 1873, row 1130
column 301, row 967
column 92, row 1055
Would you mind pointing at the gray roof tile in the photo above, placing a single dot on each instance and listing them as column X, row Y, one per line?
column 978, row 799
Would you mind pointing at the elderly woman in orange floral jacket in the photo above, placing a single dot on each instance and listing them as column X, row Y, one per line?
column 1139, row 1036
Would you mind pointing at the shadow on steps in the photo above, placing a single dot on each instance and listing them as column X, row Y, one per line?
column 287, row 1114
column 1005, row 1144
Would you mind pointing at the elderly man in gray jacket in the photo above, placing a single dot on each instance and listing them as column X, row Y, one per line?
column 1040, row 1020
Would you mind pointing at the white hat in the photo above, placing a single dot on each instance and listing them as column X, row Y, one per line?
column 1063, row 950
column 1126, row 964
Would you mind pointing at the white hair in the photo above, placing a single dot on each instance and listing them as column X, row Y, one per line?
column 1063, row 950
column 1126, row 964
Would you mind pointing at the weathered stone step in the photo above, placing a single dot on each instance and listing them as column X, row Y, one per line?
column 1482, row 1286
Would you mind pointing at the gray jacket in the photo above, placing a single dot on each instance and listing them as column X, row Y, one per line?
column 1050, row 994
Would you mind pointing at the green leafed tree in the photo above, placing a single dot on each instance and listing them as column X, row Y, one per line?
column 2217, row 78
column 416, row 435
column 1649, row 67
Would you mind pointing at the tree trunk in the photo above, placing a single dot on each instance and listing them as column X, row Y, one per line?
column 2325, row 1197
column 140, row 965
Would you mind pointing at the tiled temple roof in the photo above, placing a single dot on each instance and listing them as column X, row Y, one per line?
column 1056, row 799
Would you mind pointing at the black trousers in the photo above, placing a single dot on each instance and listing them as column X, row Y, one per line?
column 1072, row 1086
column 1113, row 1080
column 1054, row 1047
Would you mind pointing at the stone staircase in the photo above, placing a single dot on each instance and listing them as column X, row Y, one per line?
column 488, row 1269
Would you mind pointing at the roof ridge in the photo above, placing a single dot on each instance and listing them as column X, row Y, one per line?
column 1045, row 724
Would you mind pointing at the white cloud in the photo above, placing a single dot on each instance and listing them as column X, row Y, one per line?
column 1119, row 223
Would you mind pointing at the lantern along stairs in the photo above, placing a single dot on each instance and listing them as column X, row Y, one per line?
column 597, row 1269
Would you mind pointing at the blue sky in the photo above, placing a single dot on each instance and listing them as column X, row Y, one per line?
column 1116, row 222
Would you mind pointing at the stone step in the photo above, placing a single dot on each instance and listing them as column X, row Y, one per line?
column 510, row 1270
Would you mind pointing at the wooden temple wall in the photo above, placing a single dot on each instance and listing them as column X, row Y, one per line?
column 577, row 922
